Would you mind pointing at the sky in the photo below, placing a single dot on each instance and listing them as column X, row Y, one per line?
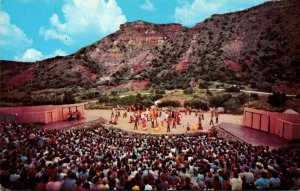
column 32, row 30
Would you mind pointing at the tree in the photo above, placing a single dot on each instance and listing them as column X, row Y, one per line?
column 103, row 98
column 255, row 96
column 169, row 103
column 217, row 101
column 68, row 97
column 277, row 99
column 196, row 103
column 160, row 91
column 233, row 89
column 123, row 101
column 232, row 104
column 244, row 98
column 208, row 92
column 114, row 93
column 189, row 90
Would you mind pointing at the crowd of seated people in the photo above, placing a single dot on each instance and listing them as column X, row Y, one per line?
column 108, row 159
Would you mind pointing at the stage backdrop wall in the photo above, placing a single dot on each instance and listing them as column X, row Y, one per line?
column 42, row 114
column 284, row 125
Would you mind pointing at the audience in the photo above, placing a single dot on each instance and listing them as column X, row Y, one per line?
column 101, row 158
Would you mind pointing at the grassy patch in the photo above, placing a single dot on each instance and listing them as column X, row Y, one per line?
column 10, row 104
column 264, row 106
column 95, row 105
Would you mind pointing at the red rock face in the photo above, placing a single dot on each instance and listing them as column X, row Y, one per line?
column 182, row 66
column 87, row 72
column 21, row 78
column 139, row 67
column 233, row 65
column 288, row 89
column 133, row 85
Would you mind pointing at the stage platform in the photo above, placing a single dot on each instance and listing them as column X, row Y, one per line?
column 89, row 116
column 253, row 136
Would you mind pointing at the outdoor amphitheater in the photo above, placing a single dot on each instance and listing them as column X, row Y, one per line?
column 100, row 152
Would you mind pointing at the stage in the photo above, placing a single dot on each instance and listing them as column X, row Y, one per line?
column 252, row 136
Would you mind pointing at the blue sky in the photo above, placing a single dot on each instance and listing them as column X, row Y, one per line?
column 33, row 30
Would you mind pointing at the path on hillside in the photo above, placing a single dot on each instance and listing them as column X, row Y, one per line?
column 246, row 91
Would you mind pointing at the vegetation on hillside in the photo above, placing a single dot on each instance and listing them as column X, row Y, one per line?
column 256, row 48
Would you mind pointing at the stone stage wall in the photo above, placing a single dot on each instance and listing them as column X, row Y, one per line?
column 284, row 125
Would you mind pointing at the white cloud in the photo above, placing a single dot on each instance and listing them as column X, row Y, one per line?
column 32, row 55
column 11, row 36
column 189, row 14
column 148, row 6
column 58, row 52
column 83, row 18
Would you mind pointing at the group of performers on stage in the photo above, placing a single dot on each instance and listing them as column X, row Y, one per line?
column 171, row 119
column 75, row 115
column 141, row 115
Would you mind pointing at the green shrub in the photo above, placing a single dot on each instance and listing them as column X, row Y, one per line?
column 244, row 98
column 254, row 96
column 123, row 101
column 208, row 92
column 188, row 90
column 103, row 98
column 196, row 103
column 88, row 95
column 42, row 100
column 147, row 102
column 154, row 97
column 233, row 89
column 160, row 91
column 217, row 101
column 169, row 103
column 277, row 99
column 114, row 93
column 232, row 104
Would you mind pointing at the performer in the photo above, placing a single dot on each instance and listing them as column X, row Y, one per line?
column 131, row 119
column 125, row 114
column 199, row 123
column 162, row 123
column 70, row 116
column 211, row 117
column 73, row 115
column 152, row 123
column 168, row 125
column 144, row 125
column 77, row 115
column 179, row 119
column 194, row 127
column 217, row 115
column 200, row 113
column 174, row 123
column 112, row 113
column 136, row 120
column 116, row 118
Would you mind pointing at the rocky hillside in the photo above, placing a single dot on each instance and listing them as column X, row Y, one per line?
column 258, row 47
